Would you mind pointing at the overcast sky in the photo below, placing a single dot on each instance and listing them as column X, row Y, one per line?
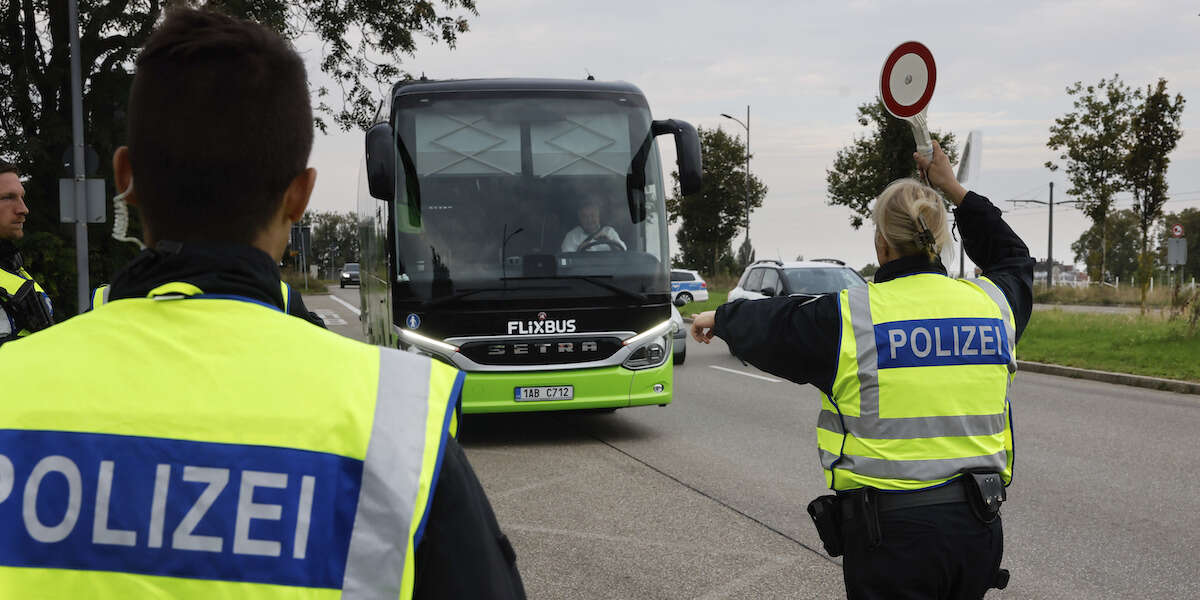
column 1002, row 68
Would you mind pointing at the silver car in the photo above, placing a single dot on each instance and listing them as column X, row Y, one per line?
column 768, row 278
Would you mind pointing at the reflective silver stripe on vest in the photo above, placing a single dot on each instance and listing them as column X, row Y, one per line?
column 919, row 470
column 997, row 296
column 907, row 428
column 391, row 475
column 868, row 356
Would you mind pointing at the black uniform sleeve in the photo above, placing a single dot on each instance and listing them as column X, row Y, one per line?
column 464, row 554
column 296, row 308
column 796, row 338
column 1000, row 253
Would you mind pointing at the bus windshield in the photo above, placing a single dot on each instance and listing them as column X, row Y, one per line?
column 511, row 195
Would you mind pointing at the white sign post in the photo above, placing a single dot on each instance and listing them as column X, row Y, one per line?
column 906, row 85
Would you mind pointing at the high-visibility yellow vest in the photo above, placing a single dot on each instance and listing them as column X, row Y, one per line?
column 12, row 282
column 921, row 390
column 187, row 445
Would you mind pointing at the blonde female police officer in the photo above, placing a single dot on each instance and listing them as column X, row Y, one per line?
column 915, row 429
column 188, row 439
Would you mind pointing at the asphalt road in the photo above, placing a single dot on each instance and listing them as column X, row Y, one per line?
column 705, row 498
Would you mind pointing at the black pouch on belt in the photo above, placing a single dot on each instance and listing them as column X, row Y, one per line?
column 866, row 507
column 826, row 513
column 985, row 493
column 29, row 307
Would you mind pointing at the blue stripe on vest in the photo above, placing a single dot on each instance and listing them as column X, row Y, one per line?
column 176, row 508
column 935, row 342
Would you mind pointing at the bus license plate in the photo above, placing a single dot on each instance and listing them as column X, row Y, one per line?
column 533, row 394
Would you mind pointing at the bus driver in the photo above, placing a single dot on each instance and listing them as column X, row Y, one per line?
column 590, row 235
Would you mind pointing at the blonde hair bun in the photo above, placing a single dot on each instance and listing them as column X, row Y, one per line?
column 912, row 219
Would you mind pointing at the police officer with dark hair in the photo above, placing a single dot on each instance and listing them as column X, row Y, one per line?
column 915, row 431
column 189, row 439
column 24, row 305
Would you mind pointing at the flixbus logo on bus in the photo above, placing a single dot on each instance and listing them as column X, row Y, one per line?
column 541, row 326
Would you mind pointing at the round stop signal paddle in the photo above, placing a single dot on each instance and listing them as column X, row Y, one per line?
column 906, row 86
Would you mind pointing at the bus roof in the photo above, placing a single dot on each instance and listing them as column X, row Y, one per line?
column 513, row 84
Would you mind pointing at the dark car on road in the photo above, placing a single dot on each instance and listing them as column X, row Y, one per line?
column 349, row 275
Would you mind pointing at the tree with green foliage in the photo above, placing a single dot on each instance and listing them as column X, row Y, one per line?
column 868, row 270
column 1113, row 243
column 711, row 217
column 872, row 161
column 1094, row 140
column 362, row 45
column 334, row 239
column 1155, row 131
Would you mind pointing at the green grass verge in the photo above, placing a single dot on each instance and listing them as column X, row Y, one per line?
column 715, row 299
column 1120, row 343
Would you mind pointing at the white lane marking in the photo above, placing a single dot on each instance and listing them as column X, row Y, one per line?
column 330, row 317
column 346, row 304
column 771, row 379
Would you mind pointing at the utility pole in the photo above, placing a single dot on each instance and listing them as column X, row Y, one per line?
column 81, row 232
column 746, row 125
column 747, row 173
column 1050, row 241
column 1050, row 230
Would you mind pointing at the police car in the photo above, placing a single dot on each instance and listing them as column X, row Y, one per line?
column 688, row 285
column 767, row 278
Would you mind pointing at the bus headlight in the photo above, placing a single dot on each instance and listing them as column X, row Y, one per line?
column 427, row 345
column 651, row 348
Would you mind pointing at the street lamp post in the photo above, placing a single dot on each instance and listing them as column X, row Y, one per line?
column 745, row 125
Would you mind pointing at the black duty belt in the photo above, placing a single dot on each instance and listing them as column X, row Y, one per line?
column 949, row 493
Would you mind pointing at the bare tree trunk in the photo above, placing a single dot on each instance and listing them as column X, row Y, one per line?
column 1103, row 249
column 1144, row 267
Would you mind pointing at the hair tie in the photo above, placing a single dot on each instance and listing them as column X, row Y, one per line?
column 924, row 236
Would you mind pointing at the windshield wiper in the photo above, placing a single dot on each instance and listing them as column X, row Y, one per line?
column 592, row 279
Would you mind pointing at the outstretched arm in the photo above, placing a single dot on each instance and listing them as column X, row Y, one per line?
column 796, row 338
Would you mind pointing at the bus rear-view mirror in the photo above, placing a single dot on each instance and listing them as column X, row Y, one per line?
column 381, row 162
column 687, row 152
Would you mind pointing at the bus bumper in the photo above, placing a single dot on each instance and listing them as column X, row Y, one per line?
column 607, row 387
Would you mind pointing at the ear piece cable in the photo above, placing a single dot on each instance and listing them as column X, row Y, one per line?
column 120, row 230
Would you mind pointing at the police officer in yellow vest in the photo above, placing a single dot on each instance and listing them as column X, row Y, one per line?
column 24, row 305
column 188, row 439
column 915, row 429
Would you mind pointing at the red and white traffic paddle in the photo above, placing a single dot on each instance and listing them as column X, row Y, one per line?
column 906, row 85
